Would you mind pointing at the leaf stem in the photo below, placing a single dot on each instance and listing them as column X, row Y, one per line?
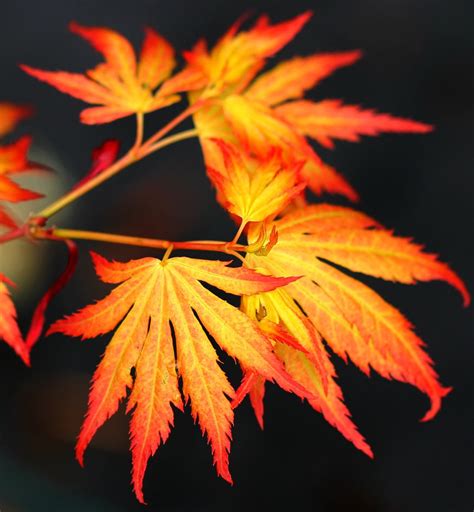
column 237, row 255
column 115, row 168
column 139, row 150
column 167, row 254
column 239, row 232
column 172, row 124
column 39, row 232
column 177, row 137
column 140, row 132
column 74, row 194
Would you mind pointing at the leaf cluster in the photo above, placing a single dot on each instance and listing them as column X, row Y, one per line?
column 287, row 260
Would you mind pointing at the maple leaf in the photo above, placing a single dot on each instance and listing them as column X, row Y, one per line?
column 238, row 56
column 13, row 159
column 254, row 191
column 354, row 320
column 311, row 367
column 290, row 79
column 151, row 294
column 121, row 85
column 330, row 119
column 9, row 330
column 256, row 112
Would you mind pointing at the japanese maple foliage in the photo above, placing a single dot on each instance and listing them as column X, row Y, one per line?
column 121, row 85
column 287, row 260
column 13, row 160
column 260, row 111
column 154, row 293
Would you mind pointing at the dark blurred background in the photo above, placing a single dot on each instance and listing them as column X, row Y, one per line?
column 418, row 63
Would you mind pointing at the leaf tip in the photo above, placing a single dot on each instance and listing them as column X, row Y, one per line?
column 98, row 261
column 80, row 454
column 29, row 70
column 138, row 490
column 466, row 296
column 356, row 55
column 305, row 16
column 74, row 27
column 435, row 403
column 368, row 451
column 25, row 357
column 51, row 330
column 224, row 473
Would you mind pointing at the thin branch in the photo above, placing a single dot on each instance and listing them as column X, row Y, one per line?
column 139, row 150
column 115, row 168
column 172, row 124
column 78, row 192
column 153, row 243
column 187, row 134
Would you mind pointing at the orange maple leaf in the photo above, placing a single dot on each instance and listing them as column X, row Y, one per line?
column 121, row 85
column 311, row 367
column 255, row 111
column 238, row 56
column 151, row 294
column 254, row 191
column 254, row 130
column 354, row 320
column 9, row 330
column 331, row 119
column 13, row 160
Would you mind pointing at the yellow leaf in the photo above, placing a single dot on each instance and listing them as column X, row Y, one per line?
column 150, row 295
